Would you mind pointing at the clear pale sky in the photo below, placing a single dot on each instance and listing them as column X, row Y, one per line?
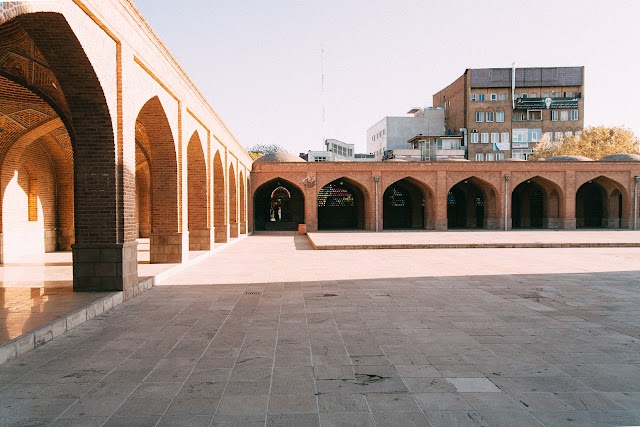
column 259, row 62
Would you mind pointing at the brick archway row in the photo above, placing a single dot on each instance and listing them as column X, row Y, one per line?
column 425, row 193
column 90, row 93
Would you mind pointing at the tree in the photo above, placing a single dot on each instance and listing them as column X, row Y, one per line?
column 260, row 150
column 594, row 142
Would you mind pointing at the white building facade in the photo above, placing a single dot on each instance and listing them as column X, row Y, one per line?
column 392, row 133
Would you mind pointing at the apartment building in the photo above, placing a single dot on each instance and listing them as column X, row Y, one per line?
column 504, row 112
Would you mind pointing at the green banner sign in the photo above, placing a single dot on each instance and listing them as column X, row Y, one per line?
column 546, row 103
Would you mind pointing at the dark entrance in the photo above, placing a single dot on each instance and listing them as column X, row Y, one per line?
column 340, row 206
column 396, row 208
column 589, row 206
column 465, row 206
column 527, row 206
column 403, row 206
column 279, row 206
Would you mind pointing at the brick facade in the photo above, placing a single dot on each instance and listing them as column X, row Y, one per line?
column 465, row 194
column 105, row 140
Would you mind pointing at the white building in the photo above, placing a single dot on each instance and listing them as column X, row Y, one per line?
column 392, row 133
column 336, row 151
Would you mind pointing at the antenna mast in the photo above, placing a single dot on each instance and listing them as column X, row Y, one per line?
column 322, row 89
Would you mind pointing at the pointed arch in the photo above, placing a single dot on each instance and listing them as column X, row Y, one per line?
column 342, row 205
column 165, row 203
column 197, row 218
column 407, row 204
column 472, row 203
column 243, row 204
column 537, row 202
column 602, row 202
column 66, row 81
column 233, row 202
column 219, row 200
column 272, row 212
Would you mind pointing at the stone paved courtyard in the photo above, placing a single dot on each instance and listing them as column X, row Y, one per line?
column 271, row 333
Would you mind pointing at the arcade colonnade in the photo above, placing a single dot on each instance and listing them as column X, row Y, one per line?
column 447, row 195
column 104, row 139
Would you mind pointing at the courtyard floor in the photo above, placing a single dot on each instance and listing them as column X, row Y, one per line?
column 271, row 332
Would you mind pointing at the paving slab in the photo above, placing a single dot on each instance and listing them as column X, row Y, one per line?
column 271, row 332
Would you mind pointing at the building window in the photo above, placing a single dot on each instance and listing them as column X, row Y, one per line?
column 558, row 136
column 481, row 97
column 520, row 135
column 574, row 115
column 554, row 115
column 534, row 135
column 524, row 95
column 479, row 157
column 533, row 95
column 499, row 156
column 502, row 97
column 521, row 154
column 577, row 134
column 484, row 137
column 473, row 97
column 564, row 115
column 534, row 115
column 499, row 116
column 504, row 137
column 495, row 137
column 320, row 159
column 518, row 117
column 489, row 157
column 549, row 136
column 474, row 138
column 479, row 116
column 494, row 96
column 490, row 116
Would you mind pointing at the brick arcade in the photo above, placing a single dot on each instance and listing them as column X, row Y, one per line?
column 105, row 140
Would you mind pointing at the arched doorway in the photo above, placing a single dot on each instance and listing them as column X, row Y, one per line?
column 233, row 203
column 602, row 203
column 243, row 205
column 527, row 206
column 93, row 211
column 589, row 205
column 340, row 206
column 219, row 201
column 199, row 233
column 155, row 136
column 535, row 203
column 403, row 206
column 278, row 206
column 471, row 204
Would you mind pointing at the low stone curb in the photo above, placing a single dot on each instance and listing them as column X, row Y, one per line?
column 334, row 247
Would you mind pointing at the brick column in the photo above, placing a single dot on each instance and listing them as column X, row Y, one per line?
column 440, row 220
column 569, row 220
column 310, row 201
